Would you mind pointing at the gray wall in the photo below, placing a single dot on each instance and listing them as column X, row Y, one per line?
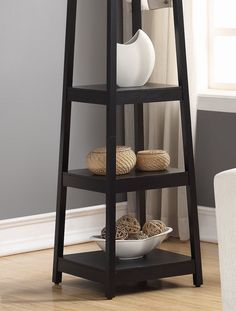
column 215, row 151
column 31, row 67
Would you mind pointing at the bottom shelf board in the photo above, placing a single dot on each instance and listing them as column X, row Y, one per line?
column 157, row 264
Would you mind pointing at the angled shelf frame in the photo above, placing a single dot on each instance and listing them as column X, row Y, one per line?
column 151, row 92
column 104, row 267
column 134, row 181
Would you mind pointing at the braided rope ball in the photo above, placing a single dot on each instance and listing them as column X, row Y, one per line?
column 130, row 223
column 121, row 233
column 154, row 227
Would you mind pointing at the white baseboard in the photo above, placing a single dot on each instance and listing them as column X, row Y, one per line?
column 207, row 224
column 31, row 233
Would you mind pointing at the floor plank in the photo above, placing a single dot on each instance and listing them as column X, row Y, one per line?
column 25, row 284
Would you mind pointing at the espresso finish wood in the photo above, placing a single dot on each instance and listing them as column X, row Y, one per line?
column 187, row 140
column 104, row 267
column 64, row 138
column 134, row 181
column 151, row 92
column 158, row 264
column 138, row 118
column 111, row 148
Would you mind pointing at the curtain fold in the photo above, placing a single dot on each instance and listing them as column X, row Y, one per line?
column 162, row 123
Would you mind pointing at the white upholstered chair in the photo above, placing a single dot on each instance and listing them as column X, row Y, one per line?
column 225, row 198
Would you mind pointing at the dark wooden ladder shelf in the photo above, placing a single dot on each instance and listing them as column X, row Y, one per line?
column 100, row 266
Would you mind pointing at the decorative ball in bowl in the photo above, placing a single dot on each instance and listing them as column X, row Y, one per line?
column 125, row 160
column 153, row 160
column 132, row 241
column 134, row 249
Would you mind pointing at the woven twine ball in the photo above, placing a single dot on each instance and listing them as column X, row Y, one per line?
column 153, row 227
column 125, row 160
column 130, row 223
column 121, row 233
column 153, row 160
column 138, row 236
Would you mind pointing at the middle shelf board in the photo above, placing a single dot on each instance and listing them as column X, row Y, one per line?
column 157, row 264
column 150, row 92
column 134, row 181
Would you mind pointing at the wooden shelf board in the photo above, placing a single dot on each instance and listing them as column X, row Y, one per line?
column 158, row 264
column 134, row 181
column 151, row 92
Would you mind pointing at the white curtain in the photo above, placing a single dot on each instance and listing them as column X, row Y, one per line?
column 162, row 124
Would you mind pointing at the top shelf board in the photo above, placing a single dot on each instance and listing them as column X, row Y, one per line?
column 151, row 92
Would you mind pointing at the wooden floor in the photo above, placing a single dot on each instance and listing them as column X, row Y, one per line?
column 25, row 284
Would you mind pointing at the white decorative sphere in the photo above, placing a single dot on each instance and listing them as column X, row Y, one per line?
column 135, row 60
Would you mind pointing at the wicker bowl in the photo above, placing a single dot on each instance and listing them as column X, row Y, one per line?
column 152, row 160
column 125, row 160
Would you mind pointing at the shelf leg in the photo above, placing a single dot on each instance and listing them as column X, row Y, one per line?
column 187, row 141
column 194, row 234
column 110, row 237
column 138, row 117
column 64, row 139
column 111, row 148
column 141, row 206
column 59, row 234
column 139, row 145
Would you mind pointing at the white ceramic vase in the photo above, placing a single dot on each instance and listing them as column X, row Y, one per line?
column 135, row 60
